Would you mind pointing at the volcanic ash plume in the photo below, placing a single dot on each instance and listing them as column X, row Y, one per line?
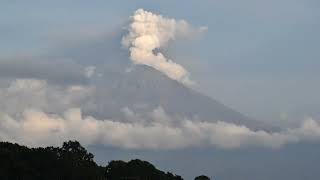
column 148, row 33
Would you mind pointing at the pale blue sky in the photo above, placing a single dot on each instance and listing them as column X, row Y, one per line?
column 259, row 57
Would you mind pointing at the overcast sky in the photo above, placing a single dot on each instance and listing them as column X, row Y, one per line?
column 59, row 59
column 259, row 57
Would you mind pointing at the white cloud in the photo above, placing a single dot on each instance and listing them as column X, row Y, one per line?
column 150, row 32
column 37, row 128
column 90, row 71
column 38, row 114
column 22, row 94
column 53, row 70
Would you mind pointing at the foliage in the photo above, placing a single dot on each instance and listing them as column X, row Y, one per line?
column 137, row 169
column 70, row 162
column 202, row 177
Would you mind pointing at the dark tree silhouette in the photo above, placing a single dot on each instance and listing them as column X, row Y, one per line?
column 138, row 170
column 70, row 162
column 202, row 177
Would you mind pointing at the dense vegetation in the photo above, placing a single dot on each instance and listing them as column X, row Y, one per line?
column 70, row 162
column 202, row 177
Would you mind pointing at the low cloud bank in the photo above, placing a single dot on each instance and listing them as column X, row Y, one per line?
column 37, row 128
column 21, row 94
column 38, row 114
column 54, row 70
column 148, row 33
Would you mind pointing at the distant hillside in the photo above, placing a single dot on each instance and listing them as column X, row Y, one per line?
column 144, row 89
column 70, row 162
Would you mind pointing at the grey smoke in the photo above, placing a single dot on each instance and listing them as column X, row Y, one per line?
column 149, row 32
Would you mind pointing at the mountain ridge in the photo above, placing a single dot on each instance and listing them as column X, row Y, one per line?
column 143, row 89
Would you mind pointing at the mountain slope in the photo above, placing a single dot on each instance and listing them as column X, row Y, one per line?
column 144, row 89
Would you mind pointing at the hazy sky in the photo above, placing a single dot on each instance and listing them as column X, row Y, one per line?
column 59, row 59
column 259, row 57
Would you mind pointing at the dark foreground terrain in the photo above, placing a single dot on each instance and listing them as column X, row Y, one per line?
column 71, row 162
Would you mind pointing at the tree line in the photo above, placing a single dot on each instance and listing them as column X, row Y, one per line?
column 72, row 162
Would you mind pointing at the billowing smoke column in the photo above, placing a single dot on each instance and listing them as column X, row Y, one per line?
column 150, row 32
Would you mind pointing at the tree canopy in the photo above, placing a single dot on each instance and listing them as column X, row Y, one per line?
column 137, row 169
column 70, row 162
column 202, row 177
